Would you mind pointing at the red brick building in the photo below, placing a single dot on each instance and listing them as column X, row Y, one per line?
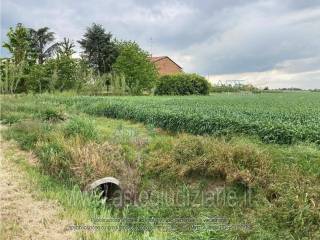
column 165, row 65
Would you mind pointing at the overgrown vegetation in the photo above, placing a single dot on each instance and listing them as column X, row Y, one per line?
column 281, row 180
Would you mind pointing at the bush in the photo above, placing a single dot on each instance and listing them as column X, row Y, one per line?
column 182, row 84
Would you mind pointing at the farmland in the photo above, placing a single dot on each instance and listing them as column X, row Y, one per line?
column 274, row 118
column 262, row 145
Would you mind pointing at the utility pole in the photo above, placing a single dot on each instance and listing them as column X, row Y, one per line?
column 151, row 46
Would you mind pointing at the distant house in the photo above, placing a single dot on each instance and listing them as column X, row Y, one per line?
column 165, row 65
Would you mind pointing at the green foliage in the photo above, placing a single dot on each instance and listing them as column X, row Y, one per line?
column 13, row 76
column 133, row 63
column 99, row 49
column 18, row 43
column 182, row 84
column 40, row 41
column 116, row 84
column 29, row 46
column 66, row 48
column 66, row 70
column 61, row 74
column 39, row 79
column 81, row 126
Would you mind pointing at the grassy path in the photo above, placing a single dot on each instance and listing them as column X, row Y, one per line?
column 23, row 216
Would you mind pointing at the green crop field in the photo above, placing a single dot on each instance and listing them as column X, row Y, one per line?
column 257, row 155
column 279, row 118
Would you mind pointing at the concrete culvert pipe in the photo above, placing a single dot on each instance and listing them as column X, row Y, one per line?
column 109, row 187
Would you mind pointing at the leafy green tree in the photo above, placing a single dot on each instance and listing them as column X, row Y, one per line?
column 41, row 44
column 66, row 69
column 14, row 70
column 18, row 43
column 12, row 76
column 66, row 47
column 99, row 49
column 134, row 64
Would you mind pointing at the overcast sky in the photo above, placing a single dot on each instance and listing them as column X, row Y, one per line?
column 272, row 43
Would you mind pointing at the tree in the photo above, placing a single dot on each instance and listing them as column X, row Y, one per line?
column 99, row 49
column 13, row 71
column 39, row 78
column 66, row 70
column 66, row 47
column 12, row 76
column 40, row 43
column 18, row 43
column 133, row 62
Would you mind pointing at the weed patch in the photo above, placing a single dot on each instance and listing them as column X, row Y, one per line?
column 81, row 126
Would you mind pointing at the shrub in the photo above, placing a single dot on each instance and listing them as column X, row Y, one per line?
column 182, row 84
column 81, row 126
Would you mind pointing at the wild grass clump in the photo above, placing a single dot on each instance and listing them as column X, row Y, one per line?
column 83, row 161
column 27, row 133
column 293, row 204
column 53, row 115
column 54, row 158
column 198, row 157
column 93, row 161
column 8, row 117
column 71, row 152
column 81, row 126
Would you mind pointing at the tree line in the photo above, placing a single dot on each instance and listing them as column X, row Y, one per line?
column 40, row 64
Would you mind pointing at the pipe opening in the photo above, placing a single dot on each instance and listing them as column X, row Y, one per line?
column 108, row 189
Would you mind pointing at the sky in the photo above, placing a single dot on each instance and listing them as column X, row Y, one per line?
column 273, row 43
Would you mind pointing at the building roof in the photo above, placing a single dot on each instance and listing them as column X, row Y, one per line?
column 156, row 59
